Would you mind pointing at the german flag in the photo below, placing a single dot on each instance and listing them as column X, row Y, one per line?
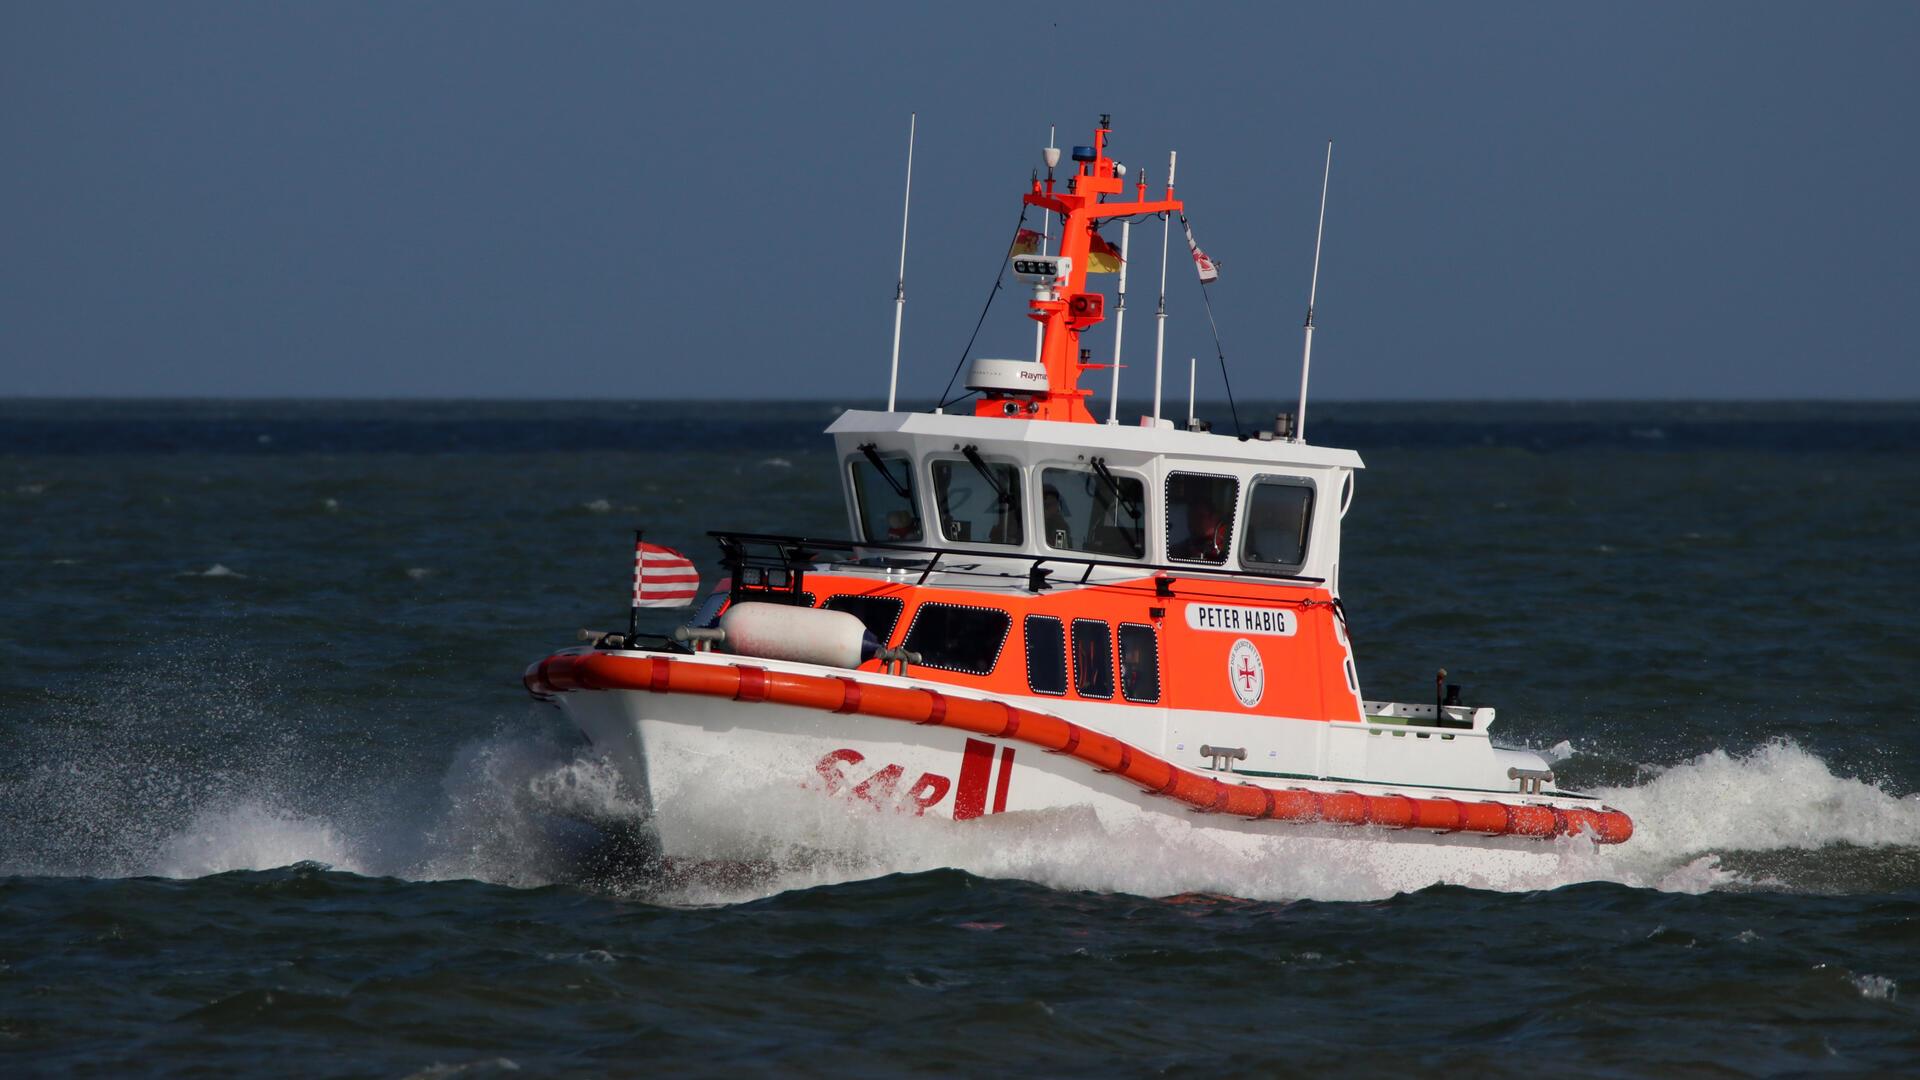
column 1102, row 257
column 1026, row 242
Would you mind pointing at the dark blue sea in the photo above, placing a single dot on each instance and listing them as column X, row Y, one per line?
column 272, row 801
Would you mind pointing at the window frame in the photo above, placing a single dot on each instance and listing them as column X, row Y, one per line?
column 854, row 505
column 1018, row 491
column 899, row 609
column 1120, row 662
column 1106, row 634
column 1146, row 508
column 1306, row 543
column 1066, row 663
column 999, row 649
column 1233, row 517
column 704, row 619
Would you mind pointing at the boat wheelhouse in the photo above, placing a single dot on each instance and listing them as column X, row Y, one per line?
column 1033, row 609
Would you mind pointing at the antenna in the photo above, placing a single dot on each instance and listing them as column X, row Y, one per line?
column 900, row 288
column 1313, row 292
column 1160, row 331
column 1193, row 364
column 1052, row 157
column 1119, row 324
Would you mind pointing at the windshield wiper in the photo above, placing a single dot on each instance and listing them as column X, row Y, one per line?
column 980, row 466
column 880, row 466
column 1106, row 477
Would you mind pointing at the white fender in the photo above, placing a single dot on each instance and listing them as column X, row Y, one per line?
column 802, row 635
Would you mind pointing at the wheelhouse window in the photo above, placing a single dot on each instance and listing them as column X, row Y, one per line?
column 1094, row 510
column 880, row 614
column 1046, row 655
column 1139, row 663
column 883, row 497
column 1092, row 659
column 1200, row 516
column 979, row 500
column 956, row 638
column 1279, row 513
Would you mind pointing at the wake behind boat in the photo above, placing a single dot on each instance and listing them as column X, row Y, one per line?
column 1036, row 610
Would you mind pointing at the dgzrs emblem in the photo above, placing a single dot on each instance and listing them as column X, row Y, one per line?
column 1245, row 673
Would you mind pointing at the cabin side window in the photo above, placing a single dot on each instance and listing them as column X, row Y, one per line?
column 1279, row 514
column 883, row 497
column 1093, row 510
column 1139, row 663
column 956, row 638
column 979, row 501
column 1092, row 659
column 880, row 614
column 1046, row 655
column 1200, row 516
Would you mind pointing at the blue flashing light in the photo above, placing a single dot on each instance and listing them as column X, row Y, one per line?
column 1084, row 153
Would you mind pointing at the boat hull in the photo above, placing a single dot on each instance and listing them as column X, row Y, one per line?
column 725, row 754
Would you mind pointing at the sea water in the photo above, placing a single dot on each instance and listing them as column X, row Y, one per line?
column 272, row 799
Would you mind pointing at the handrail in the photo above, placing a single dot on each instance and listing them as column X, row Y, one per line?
column 796, row 548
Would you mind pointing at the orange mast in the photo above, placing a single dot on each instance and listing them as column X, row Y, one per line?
column 1065, row 311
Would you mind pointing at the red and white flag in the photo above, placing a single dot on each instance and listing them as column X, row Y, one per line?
column 662, row 577
column 1209, row 270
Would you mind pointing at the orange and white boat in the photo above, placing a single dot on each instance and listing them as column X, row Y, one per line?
column 1035, row 609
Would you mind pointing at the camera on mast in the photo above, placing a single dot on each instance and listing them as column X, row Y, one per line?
column 1043, row 271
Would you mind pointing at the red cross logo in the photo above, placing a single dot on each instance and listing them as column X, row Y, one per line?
column 1246, row 672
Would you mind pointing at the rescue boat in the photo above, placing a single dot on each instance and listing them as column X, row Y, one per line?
column 1037, row 610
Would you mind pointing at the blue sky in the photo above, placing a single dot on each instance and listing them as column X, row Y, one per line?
column 632, row 201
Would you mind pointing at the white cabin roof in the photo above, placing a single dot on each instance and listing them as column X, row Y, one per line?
column 1170, row 441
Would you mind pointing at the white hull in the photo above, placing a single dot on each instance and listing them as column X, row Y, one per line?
column 726, row 781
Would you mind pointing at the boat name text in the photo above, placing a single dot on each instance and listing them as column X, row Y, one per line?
column 1233, row 619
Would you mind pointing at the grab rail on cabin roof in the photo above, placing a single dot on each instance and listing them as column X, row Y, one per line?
column 796, row 553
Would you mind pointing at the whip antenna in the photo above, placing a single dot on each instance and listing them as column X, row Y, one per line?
column 1160, row 316
column 1119, row 324
column 900, row 285
column 1051, row 155
column 1313, row 291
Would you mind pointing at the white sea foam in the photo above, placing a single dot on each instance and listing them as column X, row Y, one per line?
column 597, row 506
column 1777, row 797
column 251, row 835
column 1875, row 987
column 217, row 570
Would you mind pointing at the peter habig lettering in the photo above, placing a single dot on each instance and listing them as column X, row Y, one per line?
column 1235, row 619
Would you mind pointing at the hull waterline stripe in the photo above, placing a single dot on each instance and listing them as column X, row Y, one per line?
column 568, row 671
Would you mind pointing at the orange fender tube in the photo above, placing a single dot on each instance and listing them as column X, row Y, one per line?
column 568, row 671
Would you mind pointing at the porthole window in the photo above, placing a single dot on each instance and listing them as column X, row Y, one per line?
column 1046, row 655
column 880, row 614
column 1200, row 516
column 957, row 638
column 1279, row 514
column 1139, row 663
column 1092, row 659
